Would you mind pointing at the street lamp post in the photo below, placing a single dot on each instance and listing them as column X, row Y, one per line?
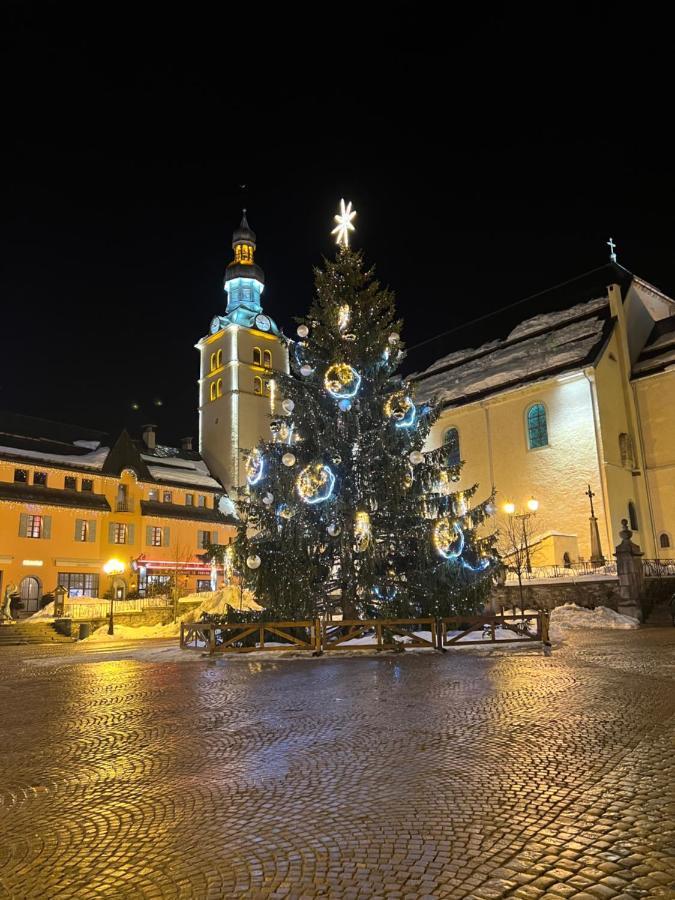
column 523, row 517
column 112, row 568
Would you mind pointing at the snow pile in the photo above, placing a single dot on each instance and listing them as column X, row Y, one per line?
column 572, row 616
column 92, row 460
column 211, row 602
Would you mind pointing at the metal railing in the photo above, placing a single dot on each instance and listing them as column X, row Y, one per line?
column 124, row 506
column 81, row 608
column 576, row 570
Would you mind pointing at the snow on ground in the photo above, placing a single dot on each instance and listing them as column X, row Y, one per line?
column 572, row 616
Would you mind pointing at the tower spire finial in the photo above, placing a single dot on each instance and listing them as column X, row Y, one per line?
column 612, row 248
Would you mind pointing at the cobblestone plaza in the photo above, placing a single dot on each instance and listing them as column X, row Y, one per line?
column 467, row 774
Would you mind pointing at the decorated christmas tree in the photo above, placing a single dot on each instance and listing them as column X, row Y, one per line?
column 342, row 510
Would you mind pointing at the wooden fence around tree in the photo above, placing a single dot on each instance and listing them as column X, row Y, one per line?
column 363, row 634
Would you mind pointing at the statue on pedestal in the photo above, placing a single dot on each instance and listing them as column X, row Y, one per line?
column 6, row 611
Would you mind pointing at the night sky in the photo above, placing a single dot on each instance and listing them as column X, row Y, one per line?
column 488, row 159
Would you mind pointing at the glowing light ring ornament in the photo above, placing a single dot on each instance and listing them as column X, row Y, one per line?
column 315, row 483
column 448, row 539
column 342, row 381
column 400, row 407
column 483, row 564
column 255, row 467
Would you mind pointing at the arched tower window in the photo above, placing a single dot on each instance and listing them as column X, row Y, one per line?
column 267, row 359
column 257, row 385
column 219, row 359
column 451, row 446
column 257, row 356
column 213, row 361
column 213, row 390
column 219, row 388
column 537, row 427
column 664, row 541
column 632, row 516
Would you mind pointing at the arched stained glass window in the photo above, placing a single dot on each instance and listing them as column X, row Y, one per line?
column 451, row 445
column 537, row 428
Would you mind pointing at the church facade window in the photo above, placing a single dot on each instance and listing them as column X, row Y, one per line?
column 267, row 359
column 632, row 516
column 537, row 426
column 213, row 361
column 451, row 446
column 219, row 359
column 257, row 356
column 219, row 387
column 664, row 540
column 257, row 385
column 213, row 390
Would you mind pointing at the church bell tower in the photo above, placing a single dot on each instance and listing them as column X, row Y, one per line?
column 238, row 362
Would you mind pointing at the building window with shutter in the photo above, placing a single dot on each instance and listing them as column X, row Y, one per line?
column 189, row 499
column 156, row 537
column 202, row 500
column 21, row 476
column 153, row 494
column 40, row 478
column 70, row 483
column 87, row 484
column 34, row 526
column 204, row 539
column 537, row 427
column 257, row 356
column 119, row 533
column 82, row 530
column 167, row 497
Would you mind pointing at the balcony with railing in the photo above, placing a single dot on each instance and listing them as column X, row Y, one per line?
column 126, row 506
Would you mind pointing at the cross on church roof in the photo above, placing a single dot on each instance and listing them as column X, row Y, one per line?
column 612, row 248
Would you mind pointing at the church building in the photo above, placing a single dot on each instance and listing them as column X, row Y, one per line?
column 238, row 361
column 574, row 405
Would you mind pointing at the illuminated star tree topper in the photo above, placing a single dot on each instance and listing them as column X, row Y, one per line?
column 344, row 223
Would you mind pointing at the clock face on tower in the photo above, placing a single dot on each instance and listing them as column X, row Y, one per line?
column 263, row 323
column 215, row 324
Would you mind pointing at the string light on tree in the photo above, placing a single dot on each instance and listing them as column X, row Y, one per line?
column 448, row 538
column 342, row 381
column 255, row 467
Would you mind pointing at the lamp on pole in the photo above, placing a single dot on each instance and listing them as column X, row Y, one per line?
column 532, row 507
column 112, row 568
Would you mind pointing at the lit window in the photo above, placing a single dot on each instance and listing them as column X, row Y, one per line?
column 632, row 516
column 213, row 361
column 156, row 537
column 70, row 483
column 119, row 533
column 664, row 541
column 87, row 484
column 257, row 385
column 451, row 447
column 33, row 526
column 537, row 429
column 202, row 500
column 83, row 530
column 219, row 359
column 213, row 390
column 257, row 356
column 40, row 478
column 219, row 387
column 267, row 359
column 167, row 497
column 153, row 494
column 78, row 584
column 204, row 539
column 189, row 499
column 21, row 475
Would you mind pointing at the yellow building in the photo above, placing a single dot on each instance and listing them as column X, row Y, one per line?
column 70, row 500
column 577, row 397
column 239, row 361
